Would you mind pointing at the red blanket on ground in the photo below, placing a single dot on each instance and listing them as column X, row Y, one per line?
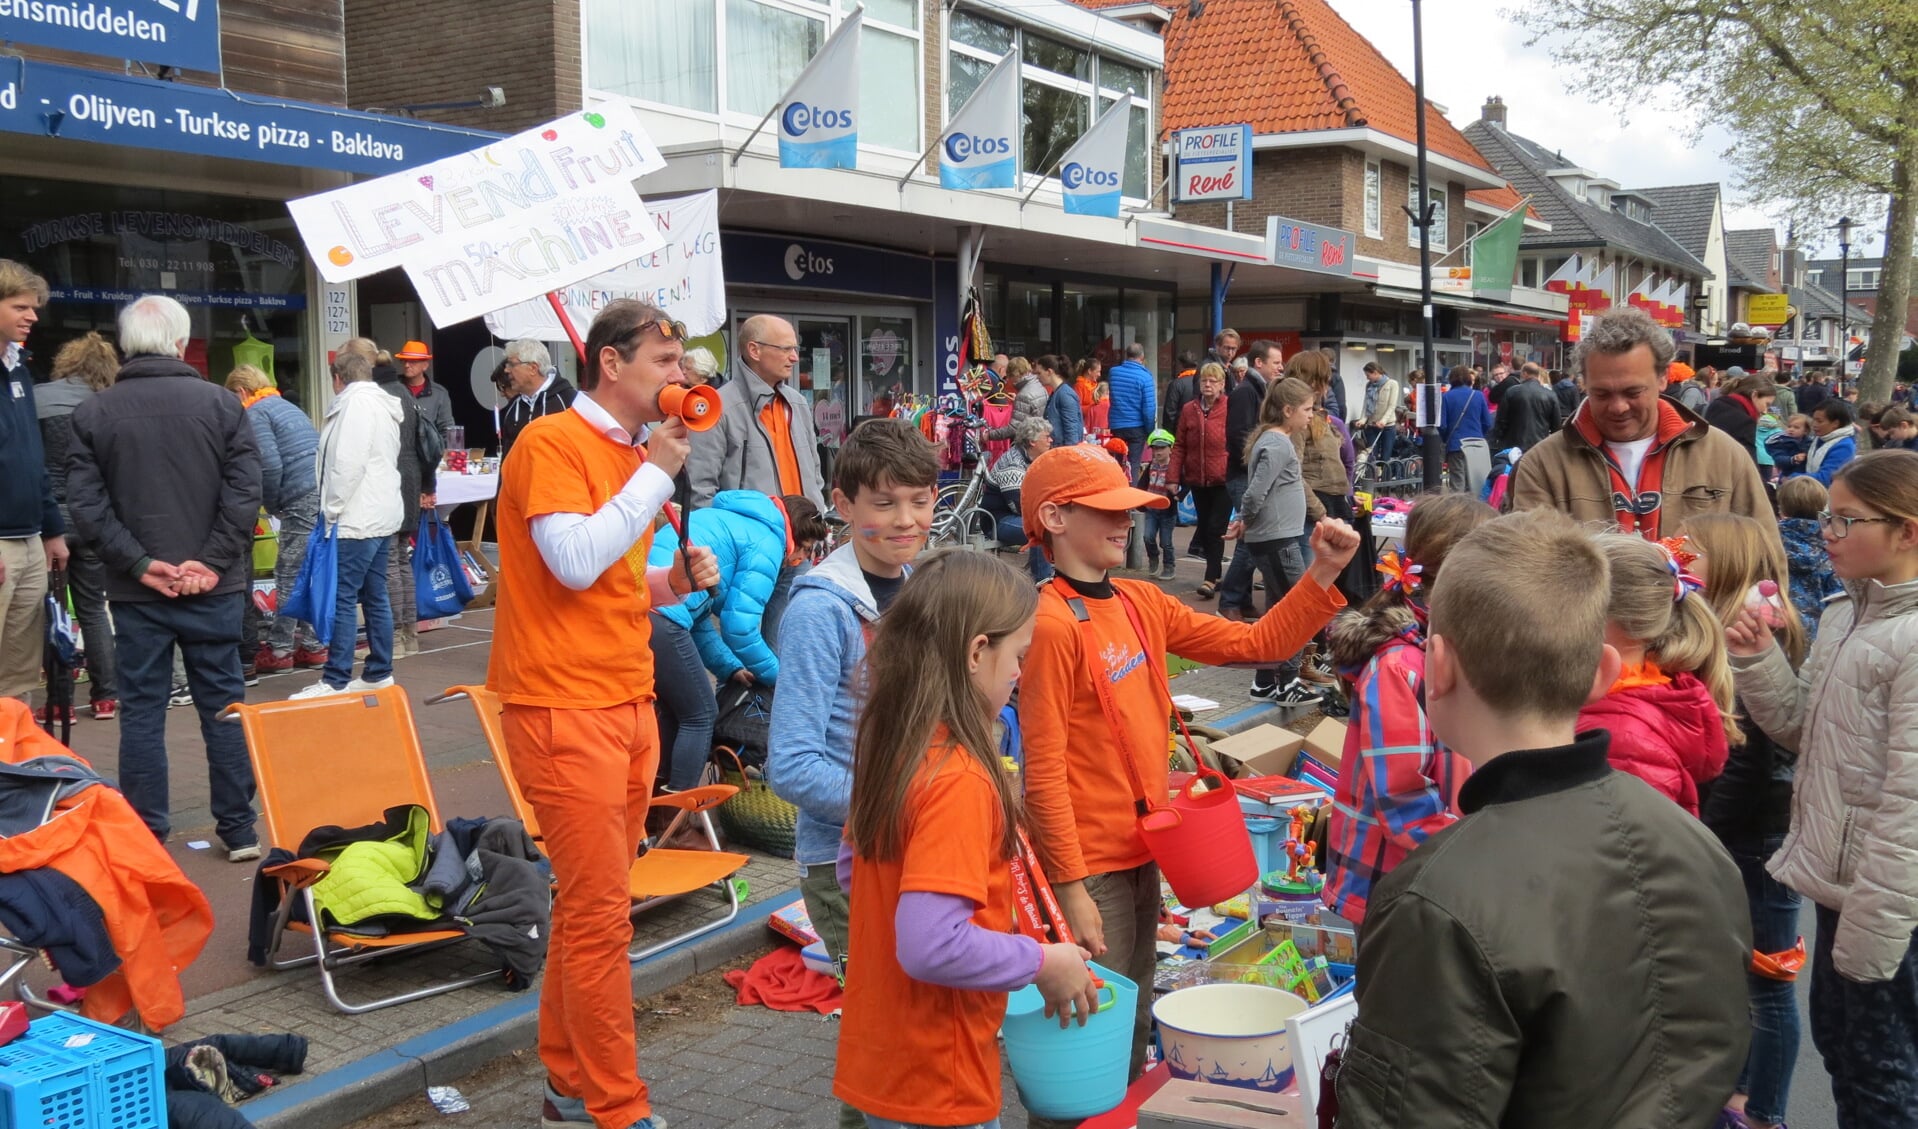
column 781, row 981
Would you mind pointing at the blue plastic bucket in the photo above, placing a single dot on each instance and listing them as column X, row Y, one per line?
column 1268, row 841
column 1078, row 1071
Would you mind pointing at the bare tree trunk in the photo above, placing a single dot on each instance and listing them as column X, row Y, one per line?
column 1894, row 290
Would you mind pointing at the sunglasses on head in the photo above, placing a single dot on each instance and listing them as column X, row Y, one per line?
column 669, row 330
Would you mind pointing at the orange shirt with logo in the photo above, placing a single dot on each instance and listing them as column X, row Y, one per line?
column 777, row 418
column 552, row 646
column 1079, row 797
column 911, row 1051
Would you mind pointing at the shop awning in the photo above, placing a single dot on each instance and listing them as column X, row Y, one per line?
column 1472, row 302
column 75, row 104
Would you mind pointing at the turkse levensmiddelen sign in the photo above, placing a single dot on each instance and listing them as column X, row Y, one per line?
column 173, row 33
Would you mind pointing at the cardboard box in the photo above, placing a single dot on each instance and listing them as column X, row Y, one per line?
column 1327, row 741
column 1265, row 750
column 1181, row 1104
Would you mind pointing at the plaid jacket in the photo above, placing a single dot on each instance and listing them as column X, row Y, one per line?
column 1397, row 786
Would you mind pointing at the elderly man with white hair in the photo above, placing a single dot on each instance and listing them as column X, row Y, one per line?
column 765, row 439
column 163, row 480
column 535, row 388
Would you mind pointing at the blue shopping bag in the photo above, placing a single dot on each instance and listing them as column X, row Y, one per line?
column 316, row 588
column 439, row 580
column 1188, row 510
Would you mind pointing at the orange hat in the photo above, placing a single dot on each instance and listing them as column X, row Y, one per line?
column 1083, row 474
column 414, row 351
column 1679, row 372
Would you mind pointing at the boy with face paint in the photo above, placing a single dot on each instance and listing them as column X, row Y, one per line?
column 885, row 481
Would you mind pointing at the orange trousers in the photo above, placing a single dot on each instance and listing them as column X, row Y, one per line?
column 588, row 775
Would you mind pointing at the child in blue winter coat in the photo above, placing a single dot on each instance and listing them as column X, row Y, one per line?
column 722, row 630
column 1800, row 500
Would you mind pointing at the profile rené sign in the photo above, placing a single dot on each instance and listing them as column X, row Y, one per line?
column 506, row 222
column 172, row 33
column 1212, row 163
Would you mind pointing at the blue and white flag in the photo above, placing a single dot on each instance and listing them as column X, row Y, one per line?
column 819, row 124
column 980, row 149
column 1093, row 170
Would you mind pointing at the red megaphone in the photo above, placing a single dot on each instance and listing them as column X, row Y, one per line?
column 698, row 405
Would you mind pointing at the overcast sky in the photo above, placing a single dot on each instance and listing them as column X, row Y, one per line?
column 1471, row 52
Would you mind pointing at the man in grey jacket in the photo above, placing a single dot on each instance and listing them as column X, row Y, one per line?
column 765, row 439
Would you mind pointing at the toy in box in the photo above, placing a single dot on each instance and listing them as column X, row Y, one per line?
column 794, row 923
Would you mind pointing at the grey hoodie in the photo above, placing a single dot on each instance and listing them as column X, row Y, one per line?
column 1274, row 504
column 822, row 644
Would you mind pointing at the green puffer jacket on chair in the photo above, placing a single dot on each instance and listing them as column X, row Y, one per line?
column 371, row 878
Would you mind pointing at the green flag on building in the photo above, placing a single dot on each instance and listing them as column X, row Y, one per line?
column 1495, row 253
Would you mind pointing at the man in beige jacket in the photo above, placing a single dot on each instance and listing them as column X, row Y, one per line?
column 1630, row 459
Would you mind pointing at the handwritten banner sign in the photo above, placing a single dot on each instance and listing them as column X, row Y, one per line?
column 684, row 278
column 504, row 223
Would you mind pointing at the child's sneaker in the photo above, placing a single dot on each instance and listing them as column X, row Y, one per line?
column 181, row 696
column 310, row 660
column 1293, row 693
column 106, row 709
column 269, row 663
column 1152, row 560
column 1169, row 571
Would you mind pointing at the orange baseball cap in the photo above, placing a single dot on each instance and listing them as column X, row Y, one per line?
column 414, row 351
column 1082, row 474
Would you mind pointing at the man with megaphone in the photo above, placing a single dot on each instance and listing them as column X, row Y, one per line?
column 570, row 660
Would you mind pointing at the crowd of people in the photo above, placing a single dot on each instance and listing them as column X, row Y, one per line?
column 1600, row 748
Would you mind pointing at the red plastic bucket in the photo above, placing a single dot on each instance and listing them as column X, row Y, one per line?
column 1201, row 843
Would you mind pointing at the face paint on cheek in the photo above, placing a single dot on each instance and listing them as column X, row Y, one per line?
column 871, row 532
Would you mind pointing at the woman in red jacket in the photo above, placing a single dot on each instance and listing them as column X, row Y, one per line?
column 1198, row 463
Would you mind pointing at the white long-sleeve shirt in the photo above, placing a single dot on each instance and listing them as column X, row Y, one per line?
column 579, row 548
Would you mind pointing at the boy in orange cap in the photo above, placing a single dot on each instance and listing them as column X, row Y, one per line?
column 1080, row 794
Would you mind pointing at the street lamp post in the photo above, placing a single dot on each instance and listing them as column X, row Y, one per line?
column 1844, row 227
column 1430, row 395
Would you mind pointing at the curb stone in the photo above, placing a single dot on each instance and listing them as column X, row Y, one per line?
column 386, row 1077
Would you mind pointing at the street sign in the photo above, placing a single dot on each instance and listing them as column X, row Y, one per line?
column 172, row 33
column 1212, row 163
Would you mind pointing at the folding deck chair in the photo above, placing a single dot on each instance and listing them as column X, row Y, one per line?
column 338, row 761
column 660, row 875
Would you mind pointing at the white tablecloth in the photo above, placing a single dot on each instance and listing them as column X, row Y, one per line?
column 459, row 489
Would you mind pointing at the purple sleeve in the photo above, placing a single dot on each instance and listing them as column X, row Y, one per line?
column 939, row 944
column 842, row 866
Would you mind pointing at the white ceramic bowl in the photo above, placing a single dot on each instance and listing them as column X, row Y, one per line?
column 1229, row 1034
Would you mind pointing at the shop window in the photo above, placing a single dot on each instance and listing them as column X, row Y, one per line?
column 905, row 13
column 766, row 48
column 886, row 118
column 664, row 52
column 1059, row 58
column 1374, row 195
column 1138, row 124
column 1094, row 325
column 1054, row 120
column 1117, row 76
column 1148, row 322
column 1029, row 328
column 975, row 30
column 963, row 76
column 885, row 356
column 237, row 265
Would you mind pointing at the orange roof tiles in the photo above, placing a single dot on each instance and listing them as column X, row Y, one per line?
column 1312, row 72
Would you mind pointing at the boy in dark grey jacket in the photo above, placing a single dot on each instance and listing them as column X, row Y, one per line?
column 1571, row 954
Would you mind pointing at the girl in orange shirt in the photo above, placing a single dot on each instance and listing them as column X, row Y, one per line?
column 934, row 820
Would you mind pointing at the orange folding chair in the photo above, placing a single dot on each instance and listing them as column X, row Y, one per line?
column 338, row 761
column 660, row 875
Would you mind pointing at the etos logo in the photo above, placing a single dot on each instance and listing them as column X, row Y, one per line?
column 1076, row 176
column 962, row 147
column 799, row 118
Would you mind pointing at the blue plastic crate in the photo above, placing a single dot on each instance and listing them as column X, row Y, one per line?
column 72, row 1073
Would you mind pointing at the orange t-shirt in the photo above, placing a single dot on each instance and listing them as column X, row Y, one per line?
column 777, row 416
column 911, row 1051
column 552, row 646
column 1079, row 796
